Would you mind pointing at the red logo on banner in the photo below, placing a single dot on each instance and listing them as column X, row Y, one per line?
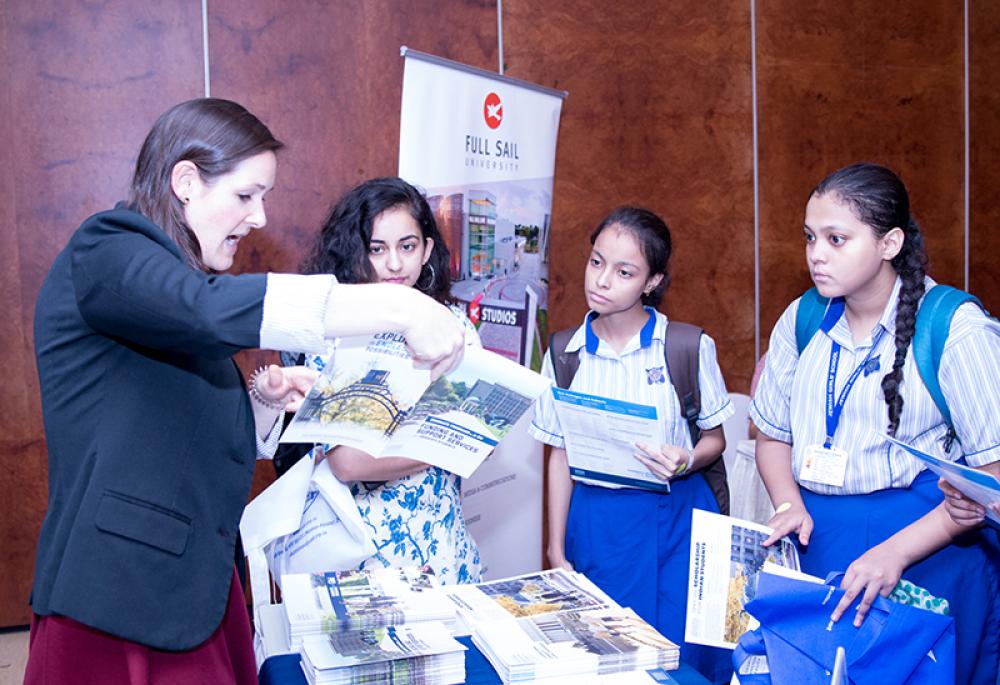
column 493, row 110
column 474, row 311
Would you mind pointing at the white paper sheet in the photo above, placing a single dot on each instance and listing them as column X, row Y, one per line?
column 601, row 434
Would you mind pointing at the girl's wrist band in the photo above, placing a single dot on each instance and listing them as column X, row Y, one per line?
column 684, row 467
column 255, row 394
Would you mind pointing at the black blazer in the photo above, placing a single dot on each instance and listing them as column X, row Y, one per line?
column 150, row 433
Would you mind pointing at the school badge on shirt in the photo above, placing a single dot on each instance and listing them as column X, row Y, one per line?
column 655, row 375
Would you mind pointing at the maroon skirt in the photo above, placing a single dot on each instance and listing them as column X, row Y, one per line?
column 62, row 651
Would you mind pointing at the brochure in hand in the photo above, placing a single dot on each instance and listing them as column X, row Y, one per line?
column 371, row 396
column 973, row 483
column 601, row 434
column 727, row 556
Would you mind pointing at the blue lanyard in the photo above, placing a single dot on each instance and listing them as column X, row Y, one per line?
column 834, row 409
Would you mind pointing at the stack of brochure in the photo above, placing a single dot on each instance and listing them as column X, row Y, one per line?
column 574, row 644
column 557, row 625
column 419, row 653
column 350, row 601
column 542, row 592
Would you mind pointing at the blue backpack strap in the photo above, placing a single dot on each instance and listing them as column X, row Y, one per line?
column 931, row 331
column 809, row 316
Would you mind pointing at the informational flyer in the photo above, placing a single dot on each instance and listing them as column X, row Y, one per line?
column 601, row 436
column 372, row 397
column 727, row 555
column 973, row 483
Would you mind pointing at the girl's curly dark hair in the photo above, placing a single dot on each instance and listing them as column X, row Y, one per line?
column 343, row 242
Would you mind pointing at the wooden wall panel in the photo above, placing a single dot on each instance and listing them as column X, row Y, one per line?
column 659, row 115
column 984, row 77
column 327, row 79
column 83, row 83
column 851, row 81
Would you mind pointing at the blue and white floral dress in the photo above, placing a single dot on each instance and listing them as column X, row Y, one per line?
column 417, row 519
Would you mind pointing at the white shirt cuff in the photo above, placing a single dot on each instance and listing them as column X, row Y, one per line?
column 294, row 312
column 266, row 447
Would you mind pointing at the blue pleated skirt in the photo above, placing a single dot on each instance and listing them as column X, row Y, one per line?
column 966, row 573
column 635, row 546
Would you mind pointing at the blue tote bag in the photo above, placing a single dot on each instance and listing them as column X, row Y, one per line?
column 796, row 642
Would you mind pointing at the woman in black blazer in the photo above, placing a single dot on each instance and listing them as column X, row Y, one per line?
column 152, row 432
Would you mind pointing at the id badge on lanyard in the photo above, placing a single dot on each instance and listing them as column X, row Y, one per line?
column 827, row 464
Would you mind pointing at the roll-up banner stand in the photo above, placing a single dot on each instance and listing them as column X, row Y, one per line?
column 482, row 146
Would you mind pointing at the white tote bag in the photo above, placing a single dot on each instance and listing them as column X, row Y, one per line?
column 304, row 522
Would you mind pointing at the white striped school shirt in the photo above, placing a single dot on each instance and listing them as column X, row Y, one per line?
column 790, row 402
column 636, row 375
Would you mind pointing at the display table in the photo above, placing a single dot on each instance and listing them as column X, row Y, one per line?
column 285, row 670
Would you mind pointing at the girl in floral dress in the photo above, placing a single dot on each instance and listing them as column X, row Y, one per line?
column 383, row 231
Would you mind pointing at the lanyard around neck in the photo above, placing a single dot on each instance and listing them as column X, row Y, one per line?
column 835, row 408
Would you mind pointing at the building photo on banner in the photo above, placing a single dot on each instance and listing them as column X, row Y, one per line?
column 482, row 147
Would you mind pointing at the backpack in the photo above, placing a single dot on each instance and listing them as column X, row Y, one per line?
column 681, row 356
column 934, row 317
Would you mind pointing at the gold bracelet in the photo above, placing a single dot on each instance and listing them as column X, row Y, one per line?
column 255, row 393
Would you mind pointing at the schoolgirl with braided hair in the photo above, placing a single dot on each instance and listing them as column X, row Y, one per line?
column 857, row 504
column 882, row 212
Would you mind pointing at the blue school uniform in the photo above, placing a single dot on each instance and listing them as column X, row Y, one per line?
column 884, row 489
column 635, row 544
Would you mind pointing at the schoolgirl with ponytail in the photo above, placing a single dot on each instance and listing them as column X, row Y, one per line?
column 857, row 504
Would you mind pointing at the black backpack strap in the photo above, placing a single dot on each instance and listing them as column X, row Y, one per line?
column 681, row 351
column 564, row 364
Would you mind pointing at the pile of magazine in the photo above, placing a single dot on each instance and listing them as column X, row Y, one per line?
column 557, row 626
column 374, row 626
column 419, row 653
column 345, row 601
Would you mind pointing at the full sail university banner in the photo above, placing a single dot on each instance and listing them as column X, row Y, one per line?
column 482, row 147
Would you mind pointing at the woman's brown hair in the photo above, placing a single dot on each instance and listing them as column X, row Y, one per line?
column 215, row 135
